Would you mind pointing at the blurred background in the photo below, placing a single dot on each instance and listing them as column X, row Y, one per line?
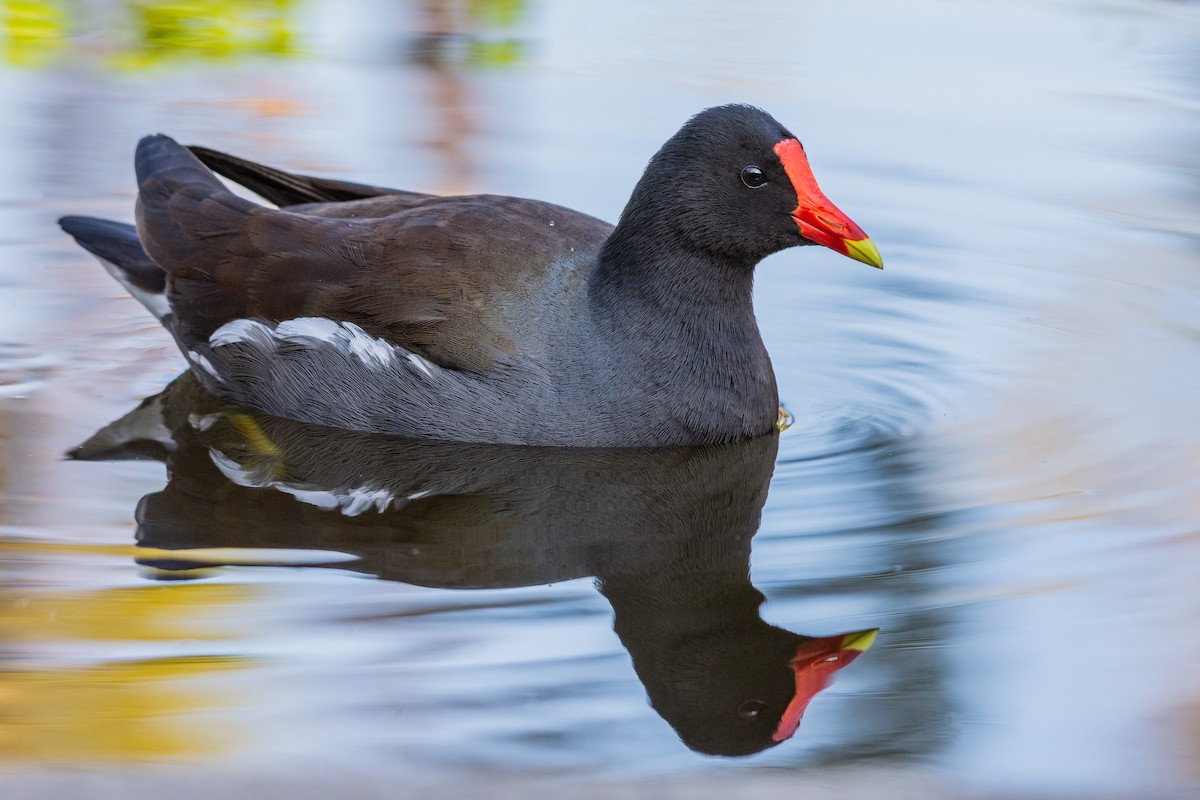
column 994, row 460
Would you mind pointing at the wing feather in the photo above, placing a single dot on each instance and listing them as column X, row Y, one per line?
column 444, row 277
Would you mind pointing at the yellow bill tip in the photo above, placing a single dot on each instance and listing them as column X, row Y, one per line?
column 864, row 250
column 860, row 640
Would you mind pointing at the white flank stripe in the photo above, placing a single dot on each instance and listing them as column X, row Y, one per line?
column 346, row 337
column 320, row 328
column 203, row 363
column 240, row 330
column 375, row 353
column 420, row 364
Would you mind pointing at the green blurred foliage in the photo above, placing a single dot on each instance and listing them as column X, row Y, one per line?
column 496, row 13
column 34, row 32
column 489, row 51
column 495, row 53
column 213, row 29
column 149, row 32
column 135, row 35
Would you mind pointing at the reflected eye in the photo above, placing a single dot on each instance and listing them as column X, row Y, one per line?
column 751, row 709
column 753, row 177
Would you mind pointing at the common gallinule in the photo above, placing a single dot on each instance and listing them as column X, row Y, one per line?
column 481, row 318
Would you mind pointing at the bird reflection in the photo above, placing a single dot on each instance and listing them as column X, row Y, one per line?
column 666, row 533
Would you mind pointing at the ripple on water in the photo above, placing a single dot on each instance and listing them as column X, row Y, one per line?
column 24, row 368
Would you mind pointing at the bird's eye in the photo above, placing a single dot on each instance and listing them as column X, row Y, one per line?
column 753, row 177
column 751, row 709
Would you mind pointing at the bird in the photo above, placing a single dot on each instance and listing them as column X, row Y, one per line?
column 480, row 318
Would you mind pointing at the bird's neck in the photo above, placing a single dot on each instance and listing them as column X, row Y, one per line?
column 683, row 319
column 644, row 265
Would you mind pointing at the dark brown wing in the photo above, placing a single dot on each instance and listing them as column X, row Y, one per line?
column 446, row 277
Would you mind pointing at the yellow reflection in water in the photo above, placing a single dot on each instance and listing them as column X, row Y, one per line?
column 123, row 711
column 67, row 695
column 136, row 614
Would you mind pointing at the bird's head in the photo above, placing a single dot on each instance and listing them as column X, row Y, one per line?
column 733, row 181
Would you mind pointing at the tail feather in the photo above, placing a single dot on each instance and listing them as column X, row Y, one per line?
column 285, row 188
column 176, row 193
column 116, row 246
column 163, row 165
